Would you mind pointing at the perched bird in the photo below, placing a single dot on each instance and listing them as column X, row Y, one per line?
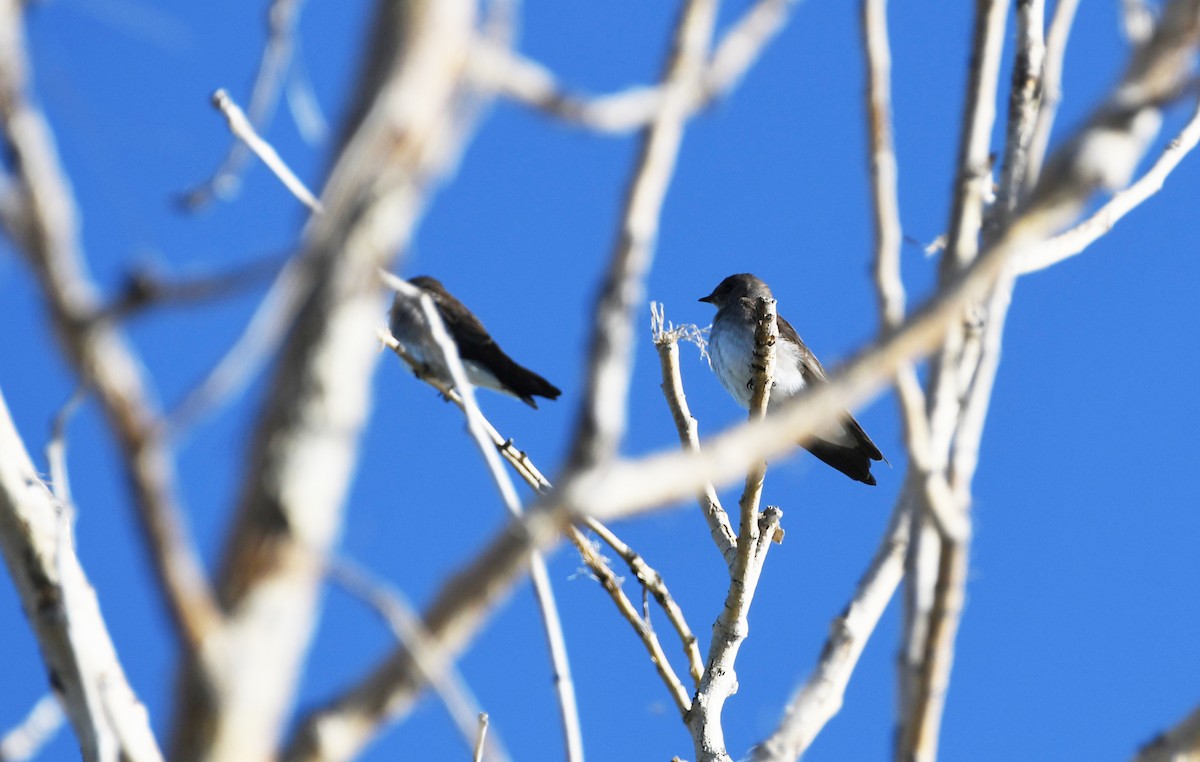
column 485, row 362
column 846, row 447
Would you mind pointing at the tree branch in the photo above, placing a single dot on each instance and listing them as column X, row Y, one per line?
column 61, row 606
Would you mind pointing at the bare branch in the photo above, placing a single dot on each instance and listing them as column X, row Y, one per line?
column 641, row 626
column 820, row 697
column 653, row 583
column 1056, row 50
column 551, row 623
column 404, row 130
column 530, row 83
column 273, row 68
column 23, row 742
column 602, row 416
column 889, row 286
column 666, row 341
column 242, row 129
column 60, row 604
column 1078, row 238
column 400, row 617
column 99, row 352
column 1179, row 744
column 732, row 626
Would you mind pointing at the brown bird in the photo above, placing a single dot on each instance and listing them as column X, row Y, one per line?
column 486, row 363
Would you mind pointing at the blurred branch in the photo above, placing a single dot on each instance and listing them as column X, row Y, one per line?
column 400, row 617
column 930, row 620
column 666, row 341
column 61, row 607
column 25, row 741
column 819, row 698
column 404, row 130
column 530, row 83
column 282, row 19
column 259, row 341
column 479, row 743
column 1052, row 69
column 1078, row 238
column 96, row 348
column 144, row 288
column 601, row 422
column 1179, row 744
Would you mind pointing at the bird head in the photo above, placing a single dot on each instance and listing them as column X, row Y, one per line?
column 736, row 287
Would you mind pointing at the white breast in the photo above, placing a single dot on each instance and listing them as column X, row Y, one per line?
column 731, row 353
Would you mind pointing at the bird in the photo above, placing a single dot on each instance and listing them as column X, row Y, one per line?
column 845, row 447
column 485, row 362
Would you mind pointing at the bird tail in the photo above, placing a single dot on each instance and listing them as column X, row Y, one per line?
column 526, row 384
column 851, row 453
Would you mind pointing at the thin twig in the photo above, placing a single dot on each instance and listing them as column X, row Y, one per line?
column 1078, row 238
column 23, row 742
column 564, row 685
column 653, row 583
column 242, row 129
column 532, row 84
column 599, row 567
column 610, row 349
column 666, row 341
column 819, row 697
column 273, row 70
column 401, row 618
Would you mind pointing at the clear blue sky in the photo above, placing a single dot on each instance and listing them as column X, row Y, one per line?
column 1079, row 634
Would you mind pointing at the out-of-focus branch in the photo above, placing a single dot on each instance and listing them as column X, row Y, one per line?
column 23, row 742
column 819, row 698
column 1179, row 744
column 396, row 611
column 60, row 604
column 405, row 127
column 530, row 83
column 889, row 286
column 732, row 626
column 925, row 654
column 1078, row 238
column 282, row 19
column 666, row 341
column 96, row 348
column 610, row 350
column 1052, row 69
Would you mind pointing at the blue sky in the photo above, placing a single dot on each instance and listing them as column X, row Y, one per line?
column 1078, row 639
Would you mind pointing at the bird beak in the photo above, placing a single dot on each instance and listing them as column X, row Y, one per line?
column 708, row 298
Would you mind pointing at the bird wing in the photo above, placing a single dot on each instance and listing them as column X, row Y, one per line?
column 476, row 345
column 813, row 373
